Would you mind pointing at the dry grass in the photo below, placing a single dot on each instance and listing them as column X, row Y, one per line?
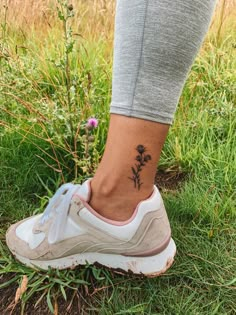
column 94, row 18
column 224, row 18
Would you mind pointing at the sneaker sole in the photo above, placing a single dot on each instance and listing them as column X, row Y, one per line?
column 150, row 266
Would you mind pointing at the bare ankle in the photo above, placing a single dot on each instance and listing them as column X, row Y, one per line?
column 115, row 201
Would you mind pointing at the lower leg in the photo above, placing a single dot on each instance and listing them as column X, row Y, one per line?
column 116, row 187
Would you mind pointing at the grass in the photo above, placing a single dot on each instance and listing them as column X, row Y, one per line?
column 38, row 152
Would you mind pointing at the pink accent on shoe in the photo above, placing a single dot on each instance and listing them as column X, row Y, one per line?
column 153, row 251
column 113, row 222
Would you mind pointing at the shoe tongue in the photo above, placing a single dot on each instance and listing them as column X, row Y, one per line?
column 84, row 191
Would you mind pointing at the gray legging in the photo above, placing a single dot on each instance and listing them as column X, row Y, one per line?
column 156, row 42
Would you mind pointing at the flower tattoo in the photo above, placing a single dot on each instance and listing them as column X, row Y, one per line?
column 142, row 159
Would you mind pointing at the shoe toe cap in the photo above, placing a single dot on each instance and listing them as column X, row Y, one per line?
column 20, row 237
column 11, row 238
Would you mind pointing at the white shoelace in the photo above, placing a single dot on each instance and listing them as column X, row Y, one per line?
column 59, row 204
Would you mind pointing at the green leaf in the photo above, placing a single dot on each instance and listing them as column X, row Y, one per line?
column 49, row 302
column 63, row 292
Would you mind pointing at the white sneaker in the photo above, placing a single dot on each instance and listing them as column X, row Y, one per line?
column 71, row 233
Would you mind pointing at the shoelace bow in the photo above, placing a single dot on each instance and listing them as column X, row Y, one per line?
column 59, row 204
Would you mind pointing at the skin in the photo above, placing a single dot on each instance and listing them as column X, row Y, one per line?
column 114, row 194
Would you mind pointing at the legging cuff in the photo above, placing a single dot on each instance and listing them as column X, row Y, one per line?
column 160, row 117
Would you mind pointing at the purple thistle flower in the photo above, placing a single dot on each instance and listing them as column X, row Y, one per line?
column 92, row 123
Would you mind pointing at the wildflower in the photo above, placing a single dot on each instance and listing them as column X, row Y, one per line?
column 92, row 123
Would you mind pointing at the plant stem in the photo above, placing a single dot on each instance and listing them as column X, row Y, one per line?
column 67, row 67
column 4, row 30
column 86, row 143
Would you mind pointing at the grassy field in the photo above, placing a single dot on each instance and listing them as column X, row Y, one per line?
column 55, row 73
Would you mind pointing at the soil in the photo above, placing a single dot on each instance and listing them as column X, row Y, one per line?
column 75, row 304
column 170, row 179
column 78, row 301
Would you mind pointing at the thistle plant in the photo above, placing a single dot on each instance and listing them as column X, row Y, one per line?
column 65, row 13
column 49, row 106
column 3, row 50
column 92, row 123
